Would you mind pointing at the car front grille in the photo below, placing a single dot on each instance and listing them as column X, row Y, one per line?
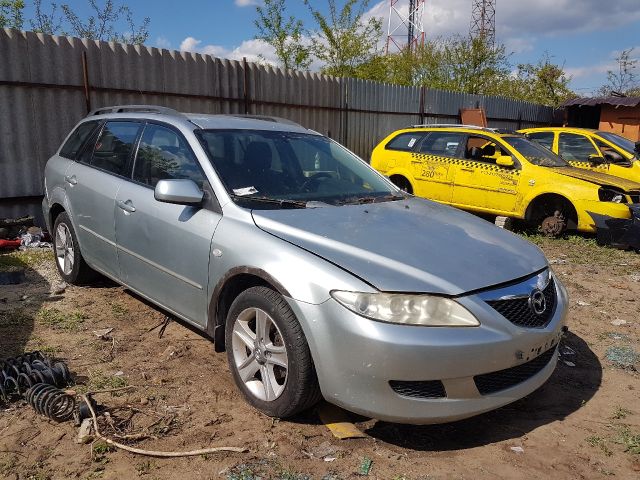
column 502, row 379
column 519, row 311
column 419, row 389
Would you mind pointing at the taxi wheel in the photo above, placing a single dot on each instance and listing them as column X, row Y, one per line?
column 402, row 183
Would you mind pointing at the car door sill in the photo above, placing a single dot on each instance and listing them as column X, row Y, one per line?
column 153, row 301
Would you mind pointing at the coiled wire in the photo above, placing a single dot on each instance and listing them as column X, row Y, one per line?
column 51, row 401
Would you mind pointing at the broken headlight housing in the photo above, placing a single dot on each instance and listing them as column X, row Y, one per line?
column 610, row 195
column 425, row 310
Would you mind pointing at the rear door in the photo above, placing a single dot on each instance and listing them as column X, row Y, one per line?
column 92, row 184
column 164, row 248
column 435, row 164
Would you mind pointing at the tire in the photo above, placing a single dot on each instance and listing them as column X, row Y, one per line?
column 69, row 261
column 294, row 388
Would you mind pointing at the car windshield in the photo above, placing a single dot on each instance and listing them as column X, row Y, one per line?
column 266, row 169
column 624, row 143
column 534, row 152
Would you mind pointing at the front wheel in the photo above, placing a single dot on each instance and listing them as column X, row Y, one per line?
column 268, row 354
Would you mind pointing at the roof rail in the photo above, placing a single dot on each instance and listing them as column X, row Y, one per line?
column 452, row 125
column 267, row 118
column 135, row 109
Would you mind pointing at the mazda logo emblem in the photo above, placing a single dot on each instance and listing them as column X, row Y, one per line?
column 537, row 302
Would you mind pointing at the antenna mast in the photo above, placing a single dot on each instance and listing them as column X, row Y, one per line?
column 483, row 21
column 403, row 20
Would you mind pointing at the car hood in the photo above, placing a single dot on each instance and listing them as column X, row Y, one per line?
column 411, row 245
column 598, row 178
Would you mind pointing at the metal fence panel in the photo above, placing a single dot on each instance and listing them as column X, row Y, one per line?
column 43, row 93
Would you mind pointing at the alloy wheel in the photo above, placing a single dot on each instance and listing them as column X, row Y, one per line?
column 64, row 249
column 259, row 354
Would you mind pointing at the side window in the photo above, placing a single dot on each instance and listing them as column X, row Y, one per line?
column 114, row 146
column 575, row 148
column 404, row 142
column 76, row 140
column 543, row 138
column 482, row 149
column 442, row 143
column 163, row 154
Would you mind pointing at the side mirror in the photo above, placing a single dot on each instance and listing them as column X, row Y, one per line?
column 596, row 159
column 181, row 192
column 505, row 161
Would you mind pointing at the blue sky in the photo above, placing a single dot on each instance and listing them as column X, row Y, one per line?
column 582, row 35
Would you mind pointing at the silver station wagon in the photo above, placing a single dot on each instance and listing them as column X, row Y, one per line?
column 316, row 275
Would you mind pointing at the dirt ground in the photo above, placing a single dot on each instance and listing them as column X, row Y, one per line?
column 584, row 423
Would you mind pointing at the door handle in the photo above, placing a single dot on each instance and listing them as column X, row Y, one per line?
column 71, row 179
column 467, row 169
column 126, row 206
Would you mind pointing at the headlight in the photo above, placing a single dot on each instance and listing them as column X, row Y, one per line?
column 610, row 195
column 426, row 310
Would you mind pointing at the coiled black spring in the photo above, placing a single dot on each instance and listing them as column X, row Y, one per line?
column 51, row 401
column 18, row 374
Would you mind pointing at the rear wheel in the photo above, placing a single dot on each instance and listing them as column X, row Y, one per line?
column 402, row 183
column 268, row 354
column 69, row 261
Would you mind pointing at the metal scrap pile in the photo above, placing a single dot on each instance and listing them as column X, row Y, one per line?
column 22, row 233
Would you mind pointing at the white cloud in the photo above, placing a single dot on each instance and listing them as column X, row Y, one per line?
column 253, row 50
column 246, row 3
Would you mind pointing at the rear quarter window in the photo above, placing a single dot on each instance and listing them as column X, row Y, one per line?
column 75, row 142
column 404, row 142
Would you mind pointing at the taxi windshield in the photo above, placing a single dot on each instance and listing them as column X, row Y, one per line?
column 534, row 152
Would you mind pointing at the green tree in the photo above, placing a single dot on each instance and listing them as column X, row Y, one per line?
column 623, row 80
column 544, row 82
column 102, row 25
column 43, row 22
column 283, row 34
column 344, row 40
column 11, row 14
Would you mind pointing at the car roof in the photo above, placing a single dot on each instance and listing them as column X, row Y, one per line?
column 200, row 120
column 498, row 132
column 559, row 129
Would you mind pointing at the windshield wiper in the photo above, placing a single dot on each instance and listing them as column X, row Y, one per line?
column 282, row 202
column 362, row 200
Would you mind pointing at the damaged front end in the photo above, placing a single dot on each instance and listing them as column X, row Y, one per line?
column 621, row 233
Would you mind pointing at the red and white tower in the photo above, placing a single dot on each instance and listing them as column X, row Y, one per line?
column 405, row 30
column 483, row 21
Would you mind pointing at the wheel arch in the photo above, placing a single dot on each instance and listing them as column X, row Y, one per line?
column 538, row 200
column 234, row 282
column 402, row 174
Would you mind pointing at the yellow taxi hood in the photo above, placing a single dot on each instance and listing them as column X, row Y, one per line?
column 598, row 178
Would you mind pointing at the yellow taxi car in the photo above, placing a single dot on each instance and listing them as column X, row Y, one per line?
column 489, row 172
column 594, row 150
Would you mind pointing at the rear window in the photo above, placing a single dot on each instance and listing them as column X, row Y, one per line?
column 404, row 142
column 76, row 140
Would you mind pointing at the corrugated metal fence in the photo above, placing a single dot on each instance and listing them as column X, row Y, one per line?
column 48, row 83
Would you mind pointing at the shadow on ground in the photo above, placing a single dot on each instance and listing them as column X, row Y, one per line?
column 568, row 389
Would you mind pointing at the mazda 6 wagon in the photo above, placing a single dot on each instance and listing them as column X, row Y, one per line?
column 316, row 275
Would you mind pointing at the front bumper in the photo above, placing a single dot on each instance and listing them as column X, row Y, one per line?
column 356, row 358
column 618, row 232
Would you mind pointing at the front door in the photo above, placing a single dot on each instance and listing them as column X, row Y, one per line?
column 164, row 248
column 92, row 184
column 482, row 184
column 576, row 149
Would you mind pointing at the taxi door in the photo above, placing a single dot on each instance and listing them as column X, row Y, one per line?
column 480, row 183
column 576, row 148
column 434, row 165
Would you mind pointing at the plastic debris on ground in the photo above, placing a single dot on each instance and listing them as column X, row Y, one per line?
column 517, row 449
column 580, row 303
column 618, row 322
column 337, row 421
column 365, row 466
column 624, row 356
